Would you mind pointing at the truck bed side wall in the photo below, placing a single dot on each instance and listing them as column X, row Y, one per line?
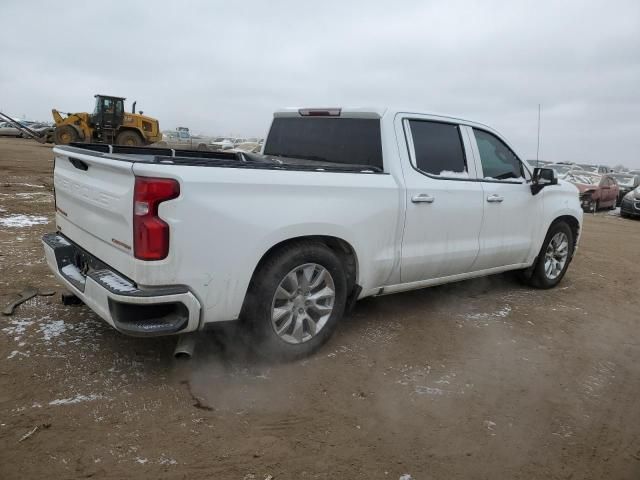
column 226, row 219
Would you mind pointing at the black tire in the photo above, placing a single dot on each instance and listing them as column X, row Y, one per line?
column 129, row 138
column 202, row 147
column 536, row 277
column 65, row 135
column 257, row 309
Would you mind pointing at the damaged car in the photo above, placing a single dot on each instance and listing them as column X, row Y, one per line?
column 596, row 191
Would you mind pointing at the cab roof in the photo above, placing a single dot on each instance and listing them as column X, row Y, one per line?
column 370, row 112
column 110, row 96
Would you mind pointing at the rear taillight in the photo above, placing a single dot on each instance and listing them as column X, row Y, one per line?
column 150, row 232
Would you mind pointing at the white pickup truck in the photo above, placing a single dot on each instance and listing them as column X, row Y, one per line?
column 342, row 204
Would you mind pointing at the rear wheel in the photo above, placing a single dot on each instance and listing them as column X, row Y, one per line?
column 129, row 138
column 65, row 135
column 295, row 300
column 554, row 257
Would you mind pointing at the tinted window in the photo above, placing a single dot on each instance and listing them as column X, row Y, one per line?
column 498, row 161
column 438, row 147
column 354, row 141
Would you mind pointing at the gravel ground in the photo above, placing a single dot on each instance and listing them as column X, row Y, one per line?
column 480, row 379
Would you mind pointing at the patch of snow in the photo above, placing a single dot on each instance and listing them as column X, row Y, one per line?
column 141, row 461
column 76, row 399
column 451, row 174
column 73, row 273
column 53, row 329
column 423, row 389
column 518, row 179
column 17, row 327
column 26, row 185
column 20, row 221
column 166, row 460
column 489, row 424
column 501, row 313
column 117, row 283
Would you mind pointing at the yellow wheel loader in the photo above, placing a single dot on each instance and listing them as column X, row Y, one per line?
column 108, row 123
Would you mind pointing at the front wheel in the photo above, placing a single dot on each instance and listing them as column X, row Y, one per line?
column 65, row 135
column 295, row 300
column 554, row 257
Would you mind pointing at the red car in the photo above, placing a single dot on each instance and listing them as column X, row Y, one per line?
column 596, row 191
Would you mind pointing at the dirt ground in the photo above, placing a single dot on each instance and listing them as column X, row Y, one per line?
column 483, row 379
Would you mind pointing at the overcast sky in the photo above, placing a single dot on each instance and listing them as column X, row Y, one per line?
column 223, row 67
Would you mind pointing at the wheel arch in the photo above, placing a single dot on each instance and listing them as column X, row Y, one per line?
column 573, row 223
column 342, row 248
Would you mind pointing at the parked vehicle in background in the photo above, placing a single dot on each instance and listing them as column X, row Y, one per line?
column 599, row 169
column 8, row 130
column 562, row 169
column 630, row 206
column 222, row 143
column 539, row 163
column 633, row 172
column 181, row 135
column 251, row 147
column 344, row 204
column 596, row 191
column 626, row 183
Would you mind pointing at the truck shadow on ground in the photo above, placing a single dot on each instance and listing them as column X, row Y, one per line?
column 232, row 343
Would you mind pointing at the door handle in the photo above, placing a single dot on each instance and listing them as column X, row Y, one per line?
column 422, row 198
column 495, row 198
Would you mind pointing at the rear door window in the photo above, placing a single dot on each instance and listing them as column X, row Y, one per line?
column 351, row 141
column 498, row 161
column 438, row 148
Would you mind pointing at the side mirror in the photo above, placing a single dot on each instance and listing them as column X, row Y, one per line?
column 543, row 177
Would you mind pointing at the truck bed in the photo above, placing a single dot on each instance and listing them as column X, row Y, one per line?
column 170, row 156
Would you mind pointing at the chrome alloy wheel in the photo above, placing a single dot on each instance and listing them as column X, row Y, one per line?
column 303, row 303
column 556, row 255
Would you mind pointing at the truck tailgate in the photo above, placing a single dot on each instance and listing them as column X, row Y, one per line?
column 94, row 202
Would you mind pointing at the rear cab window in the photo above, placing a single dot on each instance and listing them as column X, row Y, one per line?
column 438, row 149
column 328, row 140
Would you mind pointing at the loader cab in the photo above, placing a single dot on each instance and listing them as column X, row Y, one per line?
column 108, row 112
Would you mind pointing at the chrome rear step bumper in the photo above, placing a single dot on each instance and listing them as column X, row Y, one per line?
column 120, row 302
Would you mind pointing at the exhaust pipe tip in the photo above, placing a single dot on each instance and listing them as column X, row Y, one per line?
column 185, row 346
